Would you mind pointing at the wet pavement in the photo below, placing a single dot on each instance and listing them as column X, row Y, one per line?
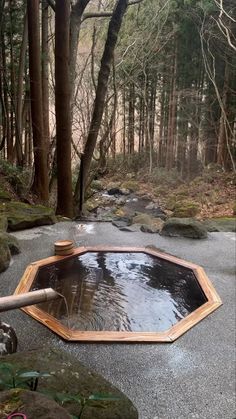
column 194, row 377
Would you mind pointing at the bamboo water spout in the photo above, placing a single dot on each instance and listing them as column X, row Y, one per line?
column 12, row 302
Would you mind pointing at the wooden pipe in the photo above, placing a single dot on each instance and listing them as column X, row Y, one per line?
column 12, row 302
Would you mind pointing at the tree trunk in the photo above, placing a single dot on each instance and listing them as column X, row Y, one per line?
column 45, row 86
column 63, row 116
column 103, row 77
column 7, row 133
column 40, row 184
column 131, row 119
column 19, row 102
column 75, row 23
column 223, row 138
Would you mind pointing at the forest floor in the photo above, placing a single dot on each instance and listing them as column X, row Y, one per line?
column 212, row 193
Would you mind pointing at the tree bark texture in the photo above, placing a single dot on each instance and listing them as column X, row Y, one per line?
column 40, row 184
column 63, row 116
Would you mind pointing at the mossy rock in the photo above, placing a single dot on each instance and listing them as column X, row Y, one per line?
column 184, row 227
column 32, row 404
column 21, row 216
column 143, row 218
column 4, row 195
column 69, row 376
column 5, row 256
column 97, row 185
column 224, row 224
column 3, row 223
column 131, row 185
column 185, row 209
column 11, row 242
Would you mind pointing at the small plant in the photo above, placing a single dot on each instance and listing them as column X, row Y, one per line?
column 11, row 378
column 63, row 398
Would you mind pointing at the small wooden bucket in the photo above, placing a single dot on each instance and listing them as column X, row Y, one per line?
column 64, row 247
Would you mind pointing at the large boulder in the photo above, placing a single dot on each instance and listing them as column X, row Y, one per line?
column 5, row 256
column 21, row 216
column 184, row 227
column 69, row 376
column 32, row 404
column 11, row 242
column 220, row 224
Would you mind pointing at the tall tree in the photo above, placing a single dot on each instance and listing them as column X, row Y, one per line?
column 101, row 90
column 63, row 116
column 40, row 183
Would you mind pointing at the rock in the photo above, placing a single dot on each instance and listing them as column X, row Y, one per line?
column 184, row 227
column 32, row 404
column 151, row 206
column 97, row 185
column 5, row 257
column 185, row 209
column 4, row 196
column 149, row 228
column 11, row 242
column 124, row 191
column 143, row 219
column 224, row 224
column 3, row 223
column 131, row 185
column 8, row 340
column 69, row 376
column 122, row 222
column 114, row 191
column 21, row 216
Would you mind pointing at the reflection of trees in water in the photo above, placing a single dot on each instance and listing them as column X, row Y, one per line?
column 179, row 281
column 99, row 287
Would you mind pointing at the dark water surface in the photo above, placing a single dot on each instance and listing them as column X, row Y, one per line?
column 120, row 291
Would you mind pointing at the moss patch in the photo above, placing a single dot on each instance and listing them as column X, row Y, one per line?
column 224, row 224
column 21, row 216
column 184, row 227
column 185, row 209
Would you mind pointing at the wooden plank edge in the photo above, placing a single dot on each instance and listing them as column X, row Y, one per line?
column 192, row 319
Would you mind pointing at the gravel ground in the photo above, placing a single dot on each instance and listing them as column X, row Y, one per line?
column 194, row 377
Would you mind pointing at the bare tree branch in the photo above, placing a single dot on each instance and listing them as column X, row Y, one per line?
column 132, row 2
column 96, row 14
column 106, row 14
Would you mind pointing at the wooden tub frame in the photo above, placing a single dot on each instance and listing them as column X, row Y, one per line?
column 170, row 335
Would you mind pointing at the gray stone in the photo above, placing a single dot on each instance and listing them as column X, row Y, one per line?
column 11, row 242
column 32, row 404
column 225, row 224
column 184, row 227
column 121, row 222
column 69, row 376
column 5, row 256
column 145, row 228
